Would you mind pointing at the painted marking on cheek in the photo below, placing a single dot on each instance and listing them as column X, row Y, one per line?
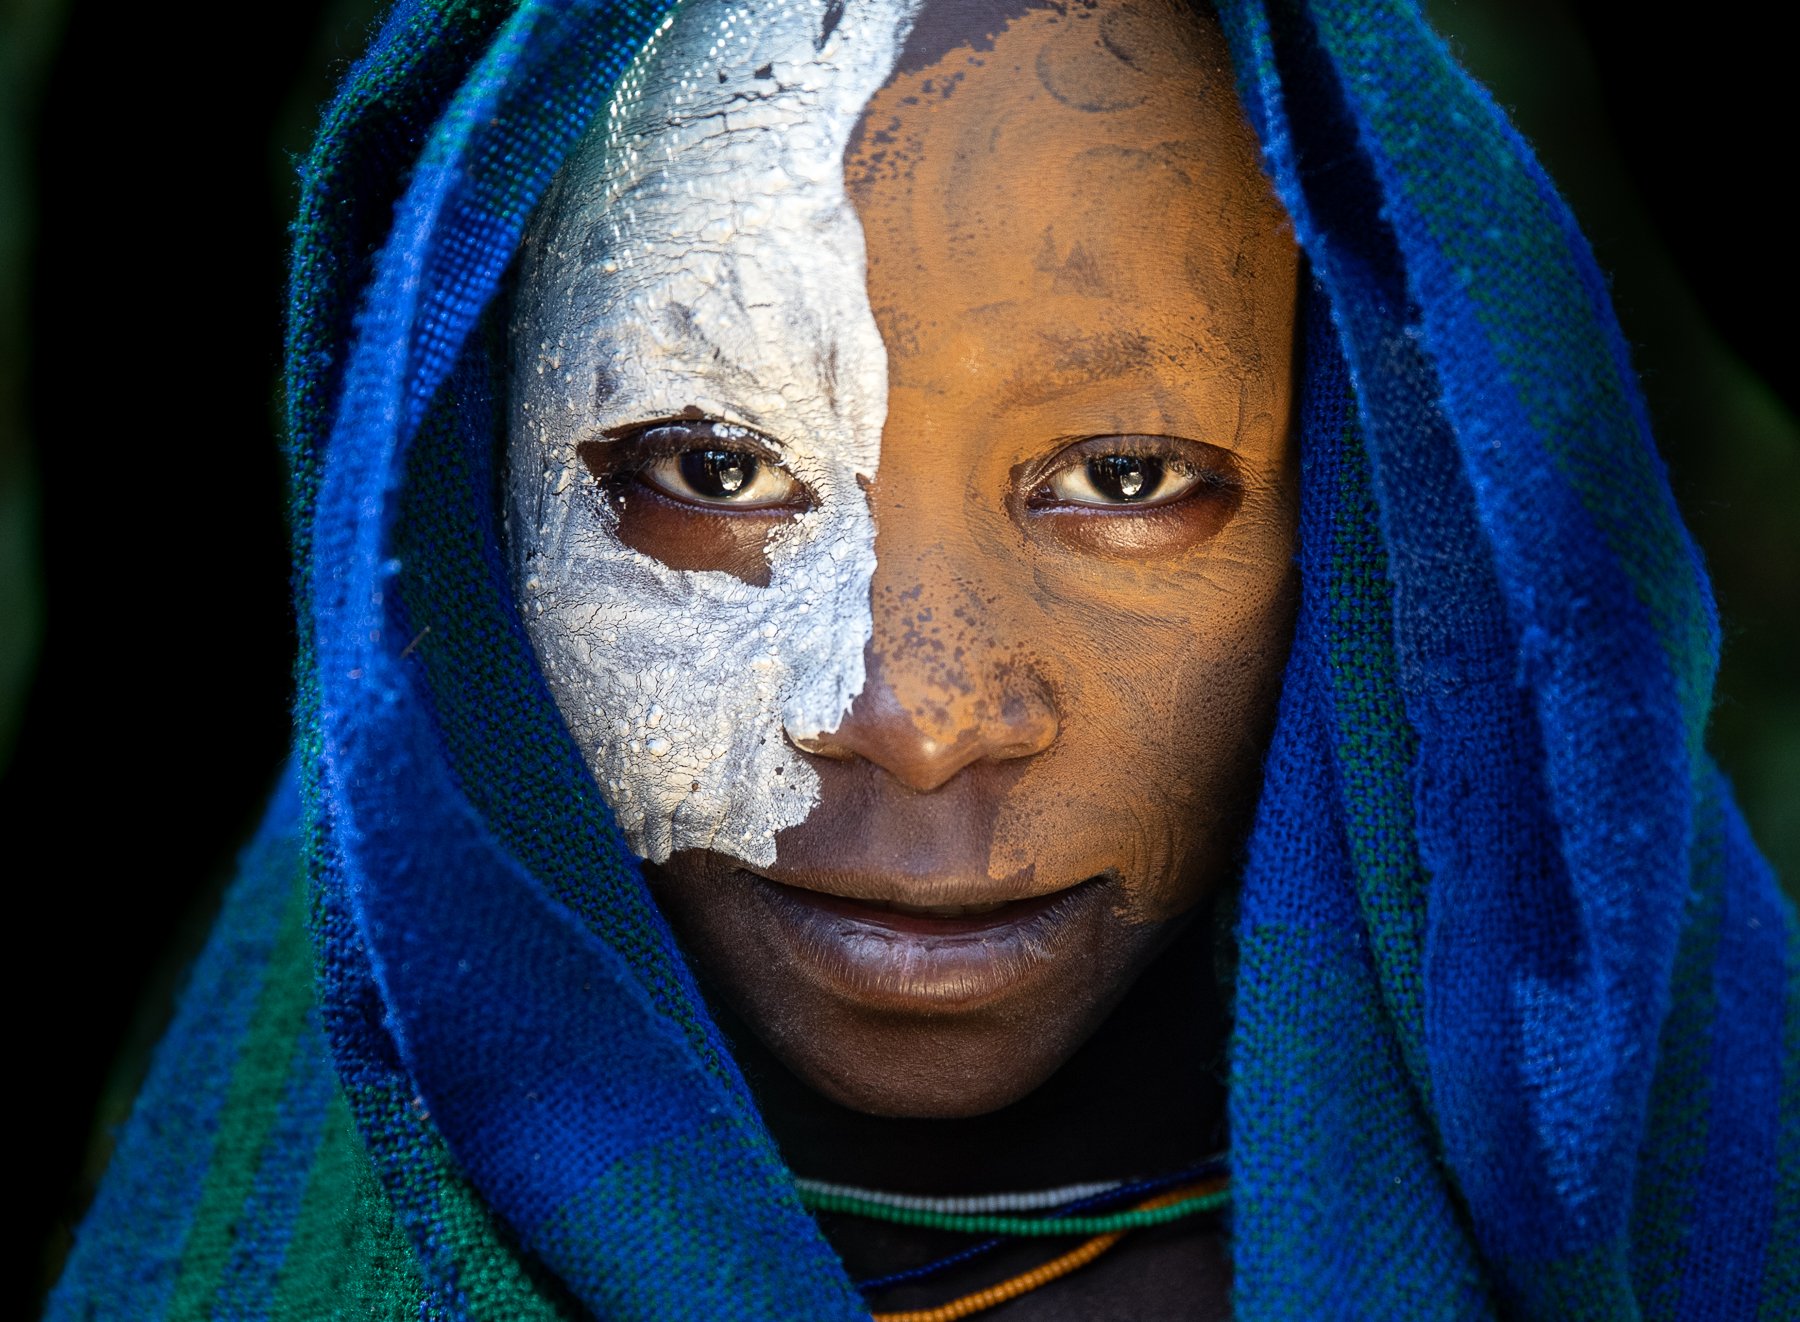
column 698, row 254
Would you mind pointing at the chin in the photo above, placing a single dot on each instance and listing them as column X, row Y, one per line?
column 944, row 1011
column 926, row 1069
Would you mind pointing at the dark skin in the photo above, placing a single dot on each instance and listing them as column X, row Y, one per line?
column 1158, row 1059
column 983, row 962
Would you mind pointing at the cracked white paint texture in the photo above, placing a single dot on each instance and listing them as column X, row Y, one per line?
column 699, row 251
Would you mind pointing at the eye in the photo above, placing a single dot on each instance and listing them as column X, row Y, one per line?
column 713, row 476
column 1119, row 472
column 714, row 465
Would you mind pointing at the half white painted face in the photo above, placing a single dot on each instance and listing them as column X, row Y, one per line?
column 698, row 252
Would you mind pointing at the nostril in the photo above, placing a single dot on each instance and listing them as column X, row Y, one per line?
column 923, row 732
column 884, row 734
column 823, row 744
column 1028, row 726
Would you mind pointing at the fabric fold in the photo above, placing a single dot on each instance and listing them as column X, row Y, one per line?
column 1517, row 1006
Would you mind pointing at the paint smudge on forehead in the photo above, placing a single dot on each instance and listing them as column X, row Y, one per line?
column 947, row 171
column 698, row 257
column 971, row 25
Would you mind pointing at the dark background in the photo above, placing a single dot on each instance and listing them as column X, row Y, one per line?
column 146, row 180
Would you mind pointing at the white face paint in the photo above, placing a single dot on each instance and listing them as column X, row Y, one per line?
column 698, row 252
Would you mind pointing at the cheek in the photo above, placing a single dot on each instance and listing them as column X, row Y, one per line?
column 670, row 710
column 1165, row 701
column 680, row 686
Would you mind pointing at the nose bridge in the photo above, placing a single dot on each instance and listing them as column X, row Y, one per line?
column 934, row 643
column 945, row 687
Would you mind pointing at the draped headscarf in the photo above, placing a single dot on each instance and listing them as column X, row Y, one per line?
column 1517, row 1026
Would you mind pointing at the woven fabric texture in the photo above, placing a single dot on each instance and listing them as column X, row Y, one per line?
column 1518, row 1002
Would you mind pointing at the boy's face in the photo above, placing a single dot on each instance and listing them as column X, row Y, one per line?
column 902, row 501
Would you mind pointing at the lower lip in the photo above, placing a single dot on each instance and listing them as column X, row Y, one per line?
column 909, row 960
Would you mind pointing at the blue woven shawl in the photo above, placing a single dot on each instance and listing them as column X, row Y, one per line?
column 1518, row 1006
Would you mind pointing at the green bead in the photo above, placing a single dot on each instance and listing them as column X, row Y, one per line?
column 1016, row 1225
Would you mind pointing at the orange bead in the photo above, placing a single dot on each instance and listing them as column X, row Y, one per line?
column 1026, row 1282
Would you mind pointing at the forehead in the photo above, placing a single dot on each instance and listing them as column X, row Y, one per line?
column 1074, row 179
column 698, row 251
column 1040, row 192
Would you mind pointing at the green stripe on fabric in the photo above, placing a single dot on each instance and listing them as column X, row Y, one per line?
column 347, row 1258
column 1586, row 1287
column 128, row 1251
column 1675, row 1143
column 1504, row 226
column 1370, row 1137
column 493, row 1276
column 265, row 1225
column 257, row 1082
column 496, row 1278
column 705, row 1248
column 1376, row 749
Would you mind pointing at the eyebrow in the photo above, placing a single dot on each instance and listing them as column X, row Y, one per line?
column 1067, row 363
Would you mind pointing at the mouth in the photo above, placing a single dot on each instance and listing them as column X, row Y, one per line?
column 892, row 954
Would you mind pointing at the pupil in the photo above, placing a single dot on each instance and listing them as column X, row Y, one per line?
column 717, row 473
column 1125, row 476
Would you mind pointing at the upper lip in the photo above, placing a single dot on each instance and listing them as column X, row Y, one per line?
column 928, row 894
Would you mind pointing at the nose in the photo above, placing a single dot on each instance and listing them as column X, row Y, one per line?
column 940, row 693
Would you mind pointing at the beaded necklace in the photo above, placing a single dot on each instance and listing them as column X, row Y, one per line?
column 1192, row 1191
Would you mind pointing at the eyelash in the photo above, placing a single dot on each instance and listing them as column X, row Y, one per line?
column 632, row 452
column 1177, row 455
column 639, row 447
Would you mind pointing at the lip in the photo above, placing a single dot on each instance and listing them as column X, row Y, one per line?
column 903, row 959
